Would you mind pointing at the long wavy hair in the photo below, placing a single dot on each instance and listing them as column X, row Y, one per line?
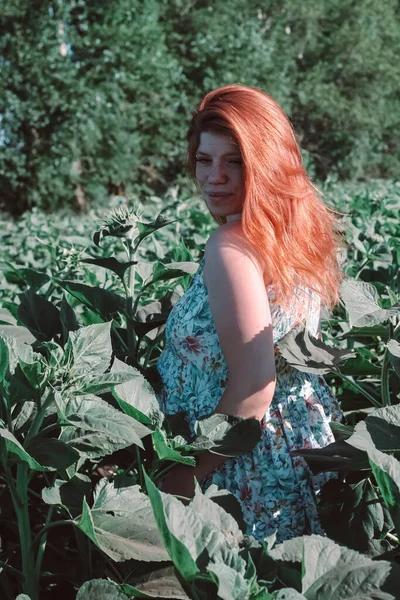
column 284, row 219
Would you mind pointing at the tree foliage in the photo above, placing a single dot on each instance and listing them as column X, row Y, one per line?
column 95, row 97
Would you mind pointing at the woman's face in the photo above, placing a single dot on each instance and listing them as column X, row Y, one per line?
column 220, row 174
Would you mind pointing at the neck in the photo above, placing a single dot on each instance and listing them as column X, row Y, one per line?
column 233, row 217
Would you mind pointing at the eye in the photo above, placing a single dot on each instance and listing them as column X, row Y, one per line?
column 202, row 160
column 236, row 162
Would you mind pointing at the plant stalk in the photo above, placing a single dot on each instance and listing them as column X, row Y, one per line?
column 130, row 289
column 24, row 528
column 373, row 401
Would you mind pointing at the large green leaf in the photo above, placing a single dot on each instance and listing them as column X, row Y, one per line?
column 383, row 425
column 39, row 315
column 69, row 493
column 361, row 301
column 173, row 522
column 217, row 516
column 394, row 355
column 92, row 415
column 52, row 453
column 99, row 384
column 4, row 359
column 100, row 589
column 136, row 397
column 166, row 451
column 18, row 332
column 226, row 435
column 385, row 468
column 91, row 347
column 352, row 514
column 338, row 456
column 102, row 302
column 288, row 594
column 14, row 447
column 112, row 264
column 162, row 583
column 309, row 354
column 123, row 525
column 333, row 572
column 18, row 351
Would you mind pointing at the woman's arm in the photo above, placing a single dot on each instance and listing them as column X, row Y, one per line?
column 240, row 309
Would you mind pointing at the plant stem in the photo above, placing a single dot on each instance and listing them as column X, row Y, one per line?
column 46, row 528
column 24, row 528
column 130, row 291
column 42, row 547
column 139, row 467
column 38, row 420
column 360, row 389
column 163, row 471
column 11, row 570
column 385, row 387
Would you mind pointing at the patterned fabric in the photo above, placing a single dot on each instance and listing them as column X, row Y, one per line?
column 277, row 492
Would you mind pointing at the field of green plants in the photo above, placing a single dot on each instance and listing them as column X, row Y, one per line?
column 83, row 306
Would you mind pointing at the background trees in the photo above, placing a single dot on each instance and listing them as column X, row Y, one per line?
column 95, row 97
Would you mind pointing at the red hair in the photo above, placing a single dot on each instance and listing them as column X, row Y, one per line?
column 294, row 233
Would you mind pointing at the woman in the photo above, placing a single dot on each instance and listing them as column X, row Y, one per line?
column 267, row 267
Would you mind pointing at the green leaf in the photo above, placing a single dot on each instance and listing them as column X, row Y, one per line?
column 394, row 355
column 91, row 348
column 102, row 302
column 165, row 452
column 122, row 524
column 136, row 397
column 146, row 229
column 226, row 435
column 27, row 411
column 14, row 447
column 333, row 572
column 288, row 594
column 69, row 493
column 4, row 360
column 67, row 318
column 162, row 584
column 230, row 569
column 338, row 456
column 96, row 384
column 352, row 513
column 359, row 366
column 17, row 332
column 39, row 315
column 112, row 264
column 216, row 515
column 166, row 509
column 100, row 589
column 92, row 416
column 33, row 278
column 383, row 425
column 361, row 302
column 385, row 468
column 309, row 354
column 52, row 453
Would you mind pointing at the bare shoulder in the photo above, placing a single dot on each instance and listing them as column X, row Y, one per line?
column 229, row 244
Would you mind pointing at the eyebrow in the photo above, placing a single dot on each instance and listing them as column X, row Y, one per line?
column 234, row 153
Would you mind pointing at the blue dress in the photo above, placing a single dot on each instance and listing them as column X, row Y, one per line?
column 277, row 491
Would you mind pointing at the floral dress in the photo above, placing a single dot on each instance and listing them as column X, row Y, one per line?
column 277, row 491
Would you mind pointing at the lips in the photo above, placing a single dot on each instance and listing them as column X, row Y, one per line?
column 218, row 195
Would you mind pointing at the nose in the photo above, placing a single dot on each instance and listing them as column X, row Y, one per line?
column 217, row 173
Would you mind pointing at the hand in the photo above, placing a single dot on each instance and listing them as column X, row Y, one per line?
column 179, row 481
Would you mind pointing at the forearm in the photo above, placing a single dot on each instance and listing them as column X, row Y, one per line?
column 244, row 402
column 206, row 463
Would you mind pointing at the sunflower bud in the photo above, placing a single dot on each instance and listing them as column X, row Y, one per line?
column 120, row 222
